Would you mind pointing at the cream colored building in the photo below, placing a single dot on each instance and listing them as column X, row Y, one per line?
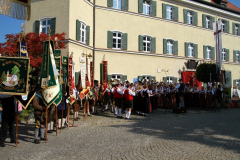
column 141, row 38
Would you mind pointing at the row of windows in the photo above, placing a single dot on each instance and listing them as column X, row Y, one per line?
column 118, row 40
column 170, row 12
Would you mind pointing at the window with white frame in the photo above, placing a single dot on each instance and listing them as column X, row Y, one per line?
column 147, row 77
column 224, row 54
column 117, row 40
column 224, row 26
column 237, row 82
column 169, row 47
column 170, row 79
column 45, row 25
column 208, row 22
column 236, row 29
column 189, row 17
column 237, row 57
column 83, row 32
column 209, row 53
column 190, row 50
column 169, row 10
column 146, row 7
column 116, row 76
column 147, row 43
column 117, row 4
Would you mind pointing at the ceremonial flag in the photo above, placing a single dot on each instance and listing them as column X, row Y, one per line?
column 57, row 56
column 83, row 71
column 91, row 73
column 19, row 9
column 217, row 29
column 49, row 84
column 71, row 81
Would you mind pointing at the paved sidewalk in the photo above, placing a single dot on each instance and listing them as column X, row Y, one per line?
column 194, row 135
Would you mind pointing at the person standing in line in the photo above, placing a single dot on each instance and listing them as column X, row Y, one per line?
column 118, row 97
column 8, row 116
column 129, row 100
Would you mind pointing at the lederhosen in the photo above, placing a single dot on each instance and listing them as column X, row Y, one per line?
column 209, row 100
column 196, row 100
column 40, row 118
column 202, row 99
column 62, row 106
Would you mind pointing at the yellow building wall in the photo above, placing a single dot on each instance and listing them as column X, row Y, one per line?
column 53, row 8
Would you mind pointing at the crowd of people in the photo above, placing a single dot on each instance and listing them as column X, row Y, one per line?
column 142, row 96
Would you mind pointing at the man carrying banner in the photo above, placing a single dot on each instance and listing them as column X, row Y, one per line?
column 95, row 97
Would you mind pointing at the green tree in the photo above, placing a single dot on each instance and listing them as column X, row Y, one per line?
column 4, row 76
column 203, row 71
column 15, row 70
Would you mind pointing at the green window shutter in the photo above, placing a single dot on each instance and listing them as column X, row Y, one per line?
column 175, row 13
column 164, row 10
column 195, row 18
column 176, row 48
column 140, row 6
column 204, row 20
column 175, row 80
column 234, row 83
column 233, row 28
column 165, row 46
column 125, row 5
column 227, row 26
column 53, row 26
column 185, row 15
column 37, row 24
column 78, row 30
column 87, row 34
column 101, row 72
column 125, row 42
column 227, row 55
column 110, row 39
column 109, row 77
column 140, row 78
column 165, row 79
column 204, row 51
column 153, row 78
column 77, row 75
column 234, row 56
column 154, row 8
column 186, row 49
column 140, row 42
column 196, row 50
column 213, row 52
column 110, row 3
column 124, row 78
column 153, row 43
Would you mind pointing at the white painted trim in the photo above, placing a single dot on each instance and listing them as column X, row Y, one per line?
column 200, row 5
column 116, row 74
column 45, row 18
column 90, row 3
column 145, row 53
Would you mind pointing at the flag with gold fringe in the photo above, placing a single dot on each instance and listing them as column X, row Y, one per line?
column 49, row 84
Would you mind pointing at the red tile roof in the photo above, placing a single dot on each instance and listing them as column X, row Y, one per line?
column 229, row 5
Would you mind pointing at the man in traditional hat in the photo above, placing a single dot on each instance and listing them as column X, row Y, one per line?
column 95, row 91
column 181, row 89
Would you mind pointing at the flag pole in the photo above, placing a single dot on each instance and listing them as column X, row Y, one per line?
column 68, row 115
column 17, row 126
column 46, row 123
column 56, row 120
column 73, row 115
column 62, row 118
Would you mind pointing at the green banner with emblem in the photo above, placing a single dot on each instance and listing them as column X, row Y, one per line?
column 57, row 56
column 49, row 84
column 14, row 73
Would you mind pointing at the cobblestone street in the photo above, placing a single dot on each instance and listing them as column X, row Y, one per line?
column 194, row 135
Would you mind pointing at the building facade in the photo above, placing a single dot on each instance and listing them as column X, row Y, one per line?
column 142, row 38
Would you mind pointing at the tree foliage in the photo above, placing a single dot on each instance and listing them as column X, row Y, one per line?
column 34, row 43
column 203, row 71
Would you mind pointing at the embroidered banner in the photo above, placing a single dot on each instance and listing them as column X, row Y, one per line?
column 104, row 71
column 57, row 56
column 14, row 73
column 91, row 73
column 71, row 81
column 83, row 71
column 49, row 84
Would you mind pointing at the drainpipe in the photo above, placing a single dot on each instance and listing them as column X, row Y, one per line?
column 94, row 11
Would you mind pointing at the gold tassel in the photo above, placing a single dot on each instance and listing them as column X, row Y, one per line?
column 16, row 9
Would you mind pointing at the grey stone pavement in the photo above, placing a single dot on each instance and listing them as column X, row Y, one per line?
column 193, row 135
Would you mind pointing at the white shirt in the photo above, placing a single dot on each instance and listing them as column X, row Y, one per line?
column 131, row 92
column 235, row 92
column 119, row 91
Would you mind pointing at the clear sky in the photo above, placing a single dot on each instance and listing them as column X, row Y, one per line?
column 10, row 25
